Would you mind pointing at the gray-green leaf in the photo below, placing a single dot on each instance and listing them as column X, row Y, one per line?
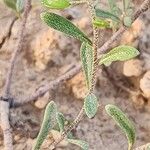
column 48, row 123
column 107, row 15
column 11, row 3
column 120, row 53
column 84, row 145
column 87, row 58
column 61, row 121
column 64, row 25
column 56, row 4
column 90, row 105
column 123, row 122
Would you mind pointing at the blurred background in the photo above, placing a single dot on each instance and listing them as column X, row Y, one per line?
column 47, row 54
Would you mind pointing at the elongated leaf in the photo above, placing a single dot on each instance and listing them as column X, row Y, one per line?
column 56, row 4
column 84, row 145
column 19, row 5
column 87, row 58
column 11, row 3
column 90, row 105
column 101, row 23
column 61, row 121
column 64, row 25
column 123, row 122
column 48, row 123
column 120, row 53
column 107, row 15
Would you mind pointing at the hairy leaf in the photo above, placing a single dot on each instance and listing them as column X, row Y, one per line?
column 48, row 123
column 123, row 122
column 19, row 5
column 11, row 3
column 84, row 145
column 87, row 58
column 61, row 121
column 56, row 4
column 107, row 15
column 64, row 25
column 120, row 53
column 90, row 105
column 101, row 23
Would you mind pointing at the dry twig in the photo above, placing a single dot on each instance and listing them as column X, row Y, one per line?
column 4, row 101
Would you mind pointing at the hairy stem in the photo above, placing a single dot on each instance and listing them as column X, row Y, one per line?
column 4, row 104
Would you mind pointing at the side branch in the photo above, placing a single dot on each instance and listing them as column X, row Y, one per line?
column 4, row 100
column 18, row 49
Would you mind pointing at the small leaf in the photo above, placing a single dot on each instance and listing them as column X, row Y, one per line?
column 127, row 21
column 120, row 53
column 87, row 58
column 64, row 25
column 11, row 4
column 19, row 5
column 84, row 145
column 61, row 121
column 107, row 15
column 123, row 122
column 56, row 4
column 90, row 105
column 48, row 123
column 101, row 23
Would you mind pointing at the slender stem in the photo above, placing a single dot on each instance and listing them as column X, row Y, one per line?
column 95, row 43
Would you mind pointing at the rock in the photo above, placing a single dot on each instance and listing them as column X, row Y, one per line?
column 78, row 86
column 133, row 67
column 131, row 36
column 42, row 101
column 145, row 84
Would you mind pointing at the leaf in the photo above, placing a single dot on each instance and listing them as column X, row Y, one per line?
column 90, row 105
column 19, row 5
column 64, row 25
column 107, row 15
column 127, row 21
column 56, row 4
column 87, row 58
column 101, row 23
column 123, row 122
column 48, row 123
column 61, row 121
column 84, row 145
column 120, row 53
column 11, row 4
